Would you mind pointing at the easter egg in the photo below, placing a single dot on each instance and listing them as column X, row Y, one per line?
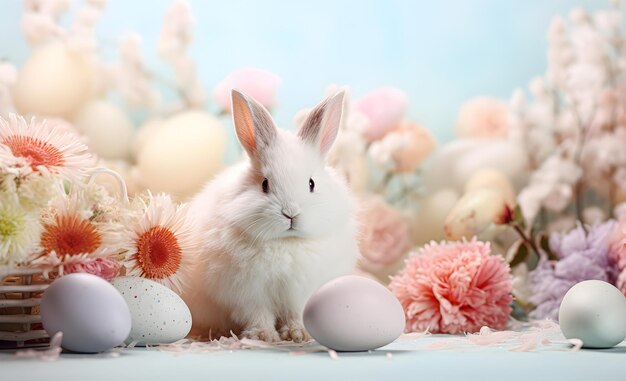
column 54, row 81
column 594, row 312
column 88, row 310
column 492, row 179
column 143, row 135
column 183, row 154
column 353, row 313
column 158, row 315
column 108, row 129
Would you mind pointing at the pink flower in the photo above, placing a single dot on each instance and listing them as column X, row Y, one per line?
column 259, row 84
column 102, row 267
column 384, row 109
column 385, row 235
column 483, row 118
column 454, row 287
column 617, row 252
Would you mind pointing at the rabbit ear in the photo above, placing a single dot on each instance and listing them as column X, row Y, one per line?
column 321, row 126
column 253, row 124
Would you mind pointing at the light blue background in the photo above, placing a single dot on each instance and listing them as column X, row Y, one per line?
column 440, row 52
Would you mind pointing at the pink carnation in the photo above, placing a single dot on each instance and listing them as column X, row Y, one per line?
column 385, row 235
column 454, row 287
column 384, row 108
column 617, row 252
column 102, row 267
column 259, row 84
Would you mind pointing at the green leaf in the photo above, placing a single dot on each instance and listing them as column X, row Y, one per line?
column 518, row 253
column 544, row 244
column 518, row 217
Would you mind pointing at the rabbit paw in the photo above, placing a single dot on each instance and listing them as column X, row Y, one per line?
column 294, row 332
column 263, row 334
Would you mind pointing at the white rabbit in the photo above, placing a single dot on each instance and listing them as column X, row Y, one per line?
column 274, row 228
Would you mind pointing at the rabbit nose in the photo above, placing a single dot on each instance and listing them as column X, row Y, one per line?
column 290, row 211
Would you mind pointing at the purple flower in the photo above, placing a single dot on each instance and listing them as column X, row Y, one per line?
column 582, row 256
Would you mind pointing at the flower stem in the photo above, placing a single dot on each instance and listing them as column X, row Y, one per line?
column 525, row 238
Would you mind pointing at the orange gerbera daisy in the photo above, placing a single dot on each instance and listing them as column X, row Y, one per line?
column 40, row 146
column 160, row 242
column 72, row 240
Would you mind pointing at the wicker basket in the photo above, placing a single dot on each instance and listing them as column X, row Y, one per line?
column 20, row 296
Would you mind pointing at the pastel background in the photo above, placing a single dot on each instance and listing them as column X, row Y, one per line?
column 440, row 52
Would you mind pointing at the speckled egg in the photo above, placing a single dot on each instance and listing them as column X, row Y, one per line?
column 158, row 314
column 353, row 313
column 91, row 313
column 594, row 312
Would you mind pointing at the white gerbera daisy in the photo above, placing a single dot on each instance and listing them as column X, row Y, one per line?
column 160, row 242
column 42, row 147
column 19, row 231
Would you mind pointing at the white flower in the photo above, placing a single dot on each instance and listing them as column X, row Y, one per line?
column 39, row 146
column 19, row 230
column 382, row 151
column 550, row 187
column 608, row 21
column 159, row 242
column 131, row 77
column 176, row 35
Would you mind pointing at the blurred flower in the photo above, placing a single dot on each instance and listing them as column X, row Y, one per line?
column 581, row 256
column 159, row 242
column 41, row 146
column 384, row 234
column 617, row 252
column 483, row 118
column 104, row 268
column 19, row 230
column 384, row 109
column 550, row 187
column 259, row 84
column 454, row 287
column 404, row 148
column 475, row 212
column 174, row 39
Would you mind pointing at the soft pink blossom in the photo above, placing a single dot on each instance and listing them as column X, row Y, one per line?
column 258, row 84
column 483, row 118
column 617, row 252
column 102, row 267
column 454, row 287
column 385, row 235
column 384, row 108
column 419, row 144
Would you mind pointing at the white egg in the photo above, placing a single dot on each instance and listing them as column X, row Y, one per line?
column 90, row 312
column 594, row 312
column 353, row 313
column 183, row 154
column 159, row 315
column 54, row 81
column 109, row 130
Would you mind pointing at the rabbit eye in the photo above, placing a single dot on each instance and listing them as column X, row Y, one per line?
column 265, row 185
column 311, row 185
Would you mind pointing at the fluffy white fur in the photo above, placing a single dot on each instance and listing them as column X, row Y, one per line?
column 255, row 274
